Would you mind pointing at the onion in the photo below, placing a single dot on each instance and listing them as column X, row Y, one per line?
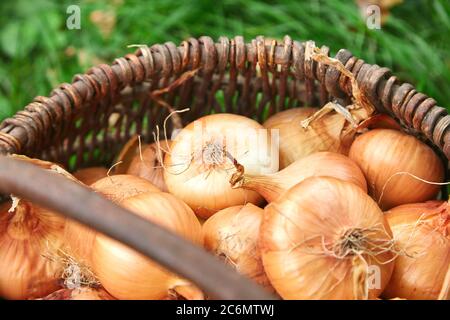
column 326, row 239
column 200, row 163
column 148, row 164
column 83, row 293
column 29, row 237
column 143, row 160
column 122, row 186
column 80, row 239
column 329, row 164
column 90, row 175
column 232, row 234
column 296, row 142
column 422, row 233
column 126, row 155
column 397, row 166
column 127, row 274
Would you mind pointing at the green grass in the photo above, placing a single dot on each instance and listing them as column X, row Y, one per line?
column 34, row 41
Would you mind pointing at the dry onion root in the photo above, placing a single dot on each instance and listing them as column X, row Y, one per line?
column 422, row 232
column 201, row 161
column 329, row 164
column 326, row 239
column 399, row 168
column 232, row 234
column 127, row 274
column 27, row 234
column 79, row 240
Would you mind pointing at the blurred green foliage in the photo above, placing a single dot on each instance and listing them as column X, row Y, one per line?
column 37, row 51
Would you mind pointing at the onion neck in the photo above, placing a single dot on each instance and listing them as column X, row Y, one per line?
column 268, row 186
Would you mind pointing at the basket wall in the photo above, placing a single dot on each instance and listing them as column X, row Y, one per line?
column 86, row 122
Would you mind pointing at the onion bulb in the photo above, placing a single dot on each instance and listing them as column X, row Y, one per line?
column 399, row 168
column 232, row 234
column 329, row 164
column 122, row 186
column 82, row 293
column 127, row 274
column 29, row 237
column 202, row 157
column 143, row 160
column 148, row 164
column 80, row 239
column 326, row 239
column 90, row 175
column 126, row 155
column 296, row 142
column 422, row 235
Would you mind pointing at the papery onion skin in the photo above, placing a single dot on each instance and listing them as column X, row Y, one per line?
column 126, row 155
column 232, row 234
column 122, row 186
column 197, row 170
column 29, row 238
column 296, row 142
column 80, row 239
column 150, row 166
column 127, row 274
column 384, row 155
column 328, row 164
column 422, row 233
column 90, row 175
column 302, row 226
column 83, row 293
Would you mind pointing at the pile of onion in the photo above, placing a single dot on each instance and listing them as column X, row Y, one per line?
column 30, row 237
column 202, row 157
column 296, row 142
column 127, row 274
column 399, row 168
column 328, row 164
column 326, row 239
column 321, row 236
column 232, row 234
column 79, row 238
column 422, row 235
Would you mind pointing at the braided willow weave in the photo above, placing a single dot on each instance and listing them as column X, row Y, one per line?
column 86, row 122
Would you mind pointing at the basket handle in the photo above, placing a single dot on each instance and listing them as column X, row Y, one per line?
column 180, row 256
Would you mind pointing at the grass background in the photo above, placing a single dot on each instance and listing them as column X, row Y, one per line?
column 37, row 51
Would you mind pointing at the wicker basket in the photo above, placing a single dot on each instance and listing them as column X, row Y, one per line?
column 85, row 123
